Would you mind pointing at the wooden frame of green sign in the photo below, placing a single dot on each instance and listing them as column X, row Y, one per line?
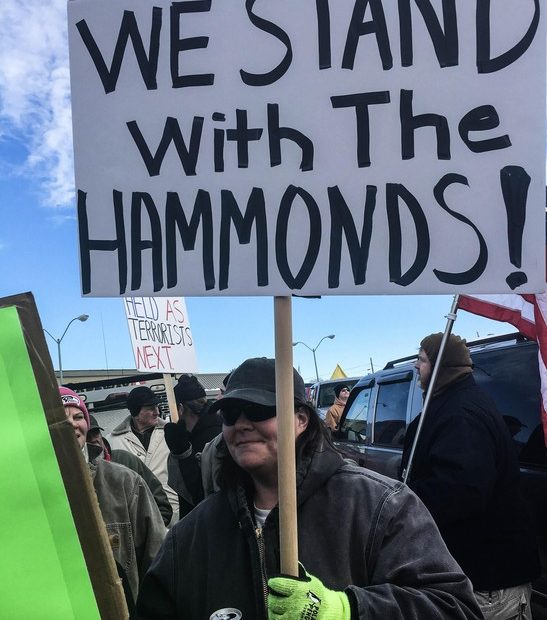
column 92, row 534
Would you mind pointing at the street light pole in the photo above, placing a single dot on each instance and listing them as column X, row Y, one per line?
column 82, row 317
column 331, row 336
column 315, row 364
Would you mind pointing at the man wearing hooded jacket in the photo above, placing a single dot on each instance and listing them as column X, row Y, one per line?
column 466, row 472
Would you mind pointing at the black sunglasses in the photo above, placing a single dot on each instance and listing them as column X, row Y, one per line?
column 253, row 412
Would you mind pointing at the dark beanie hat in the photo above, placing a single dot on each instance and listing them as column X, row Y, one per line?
column 139, row 397
column 338, row 388
column 188, row 388
column 455, row 354
column 93, row 424
column 456, row 363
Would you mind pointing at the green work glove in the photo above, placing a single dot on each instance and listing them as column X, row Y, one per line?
column 299, row 598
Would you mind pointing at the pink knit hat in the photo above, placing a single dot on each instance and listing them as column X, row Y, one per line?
column 71, row 399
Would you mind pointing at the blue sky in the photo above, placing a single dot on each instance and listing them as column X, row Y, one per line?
column 39, row 250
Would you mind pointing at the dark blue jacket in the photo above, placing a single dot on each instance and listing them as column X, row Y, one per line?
column 466, row 472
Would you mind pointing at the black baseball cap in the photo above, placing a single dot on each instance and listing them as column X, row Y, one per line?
column 254, row 382
column 139, row 397
column 93, row 424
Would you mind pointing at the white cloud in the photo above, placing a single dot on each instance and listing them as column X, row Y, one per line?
column 35, row 92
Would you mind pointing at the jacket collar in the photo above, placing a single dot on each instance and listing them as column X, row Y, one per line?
column 125, row 426
column 449, row 376
column 311, row 473
column 439, row 399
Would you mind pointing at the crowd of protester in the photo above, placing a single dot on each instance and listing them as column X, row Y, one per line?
column 191, row 507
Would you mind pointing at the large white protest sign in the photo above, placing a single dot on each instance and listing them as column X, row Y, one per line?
column 309, row 147
column 160, row 334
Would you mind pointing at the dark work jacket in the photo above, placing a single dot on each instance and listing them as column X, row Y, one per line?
column 132, row 518
column 357, row 531
column 466, row 472
column 184, row 470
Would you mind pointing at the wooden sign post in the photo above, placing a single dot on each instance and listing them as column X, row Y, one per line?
column 171, row 401
column 284, row 390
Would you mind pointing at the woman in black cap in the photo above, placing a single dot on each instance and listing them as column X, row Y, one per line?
column 369, row 547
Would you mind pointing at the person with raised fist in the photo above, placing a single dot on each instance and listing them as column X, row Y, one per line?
column 187, row 438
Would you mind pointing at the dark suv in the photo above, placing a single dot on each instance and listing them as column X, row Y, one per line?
column 381, row 405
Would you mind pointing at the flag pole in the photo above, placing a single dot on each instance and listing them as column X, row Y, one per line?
column 450, row 319
column 284, row 389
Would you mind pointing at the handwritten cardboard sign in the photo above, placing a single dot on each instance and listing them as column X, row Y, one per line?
column 311, row 147
column 160, row 334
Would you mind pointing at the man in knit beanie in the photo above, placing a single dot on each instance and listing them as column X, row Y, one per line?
column 186, row 439
column 456, row 363
column 466, row 472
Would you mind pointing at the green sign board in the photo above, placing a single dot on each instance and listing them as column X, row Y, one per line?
column 42, row 568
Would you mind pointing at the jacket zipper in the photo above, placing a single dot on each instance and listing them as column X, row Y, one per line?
column 262, row 555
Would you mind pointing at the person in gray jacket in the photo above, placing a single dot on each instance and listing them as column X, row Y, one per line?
column 131, row 516
column 123, row 457
column 369, row 548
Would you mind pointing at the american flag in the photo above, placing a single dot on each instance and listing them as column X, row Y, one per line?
column 528, row 313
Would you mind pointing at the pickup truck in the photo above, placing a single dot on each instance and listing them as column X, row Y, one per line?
column 382, row 404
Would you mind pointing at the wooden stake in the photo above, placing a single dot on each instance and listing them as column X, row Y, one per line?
column 288, row 530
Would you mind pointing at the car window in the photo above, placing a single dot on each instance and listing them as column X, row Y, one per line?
column 390, row 415
column 354, row 427
column 326, row 394
column 511, row 378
